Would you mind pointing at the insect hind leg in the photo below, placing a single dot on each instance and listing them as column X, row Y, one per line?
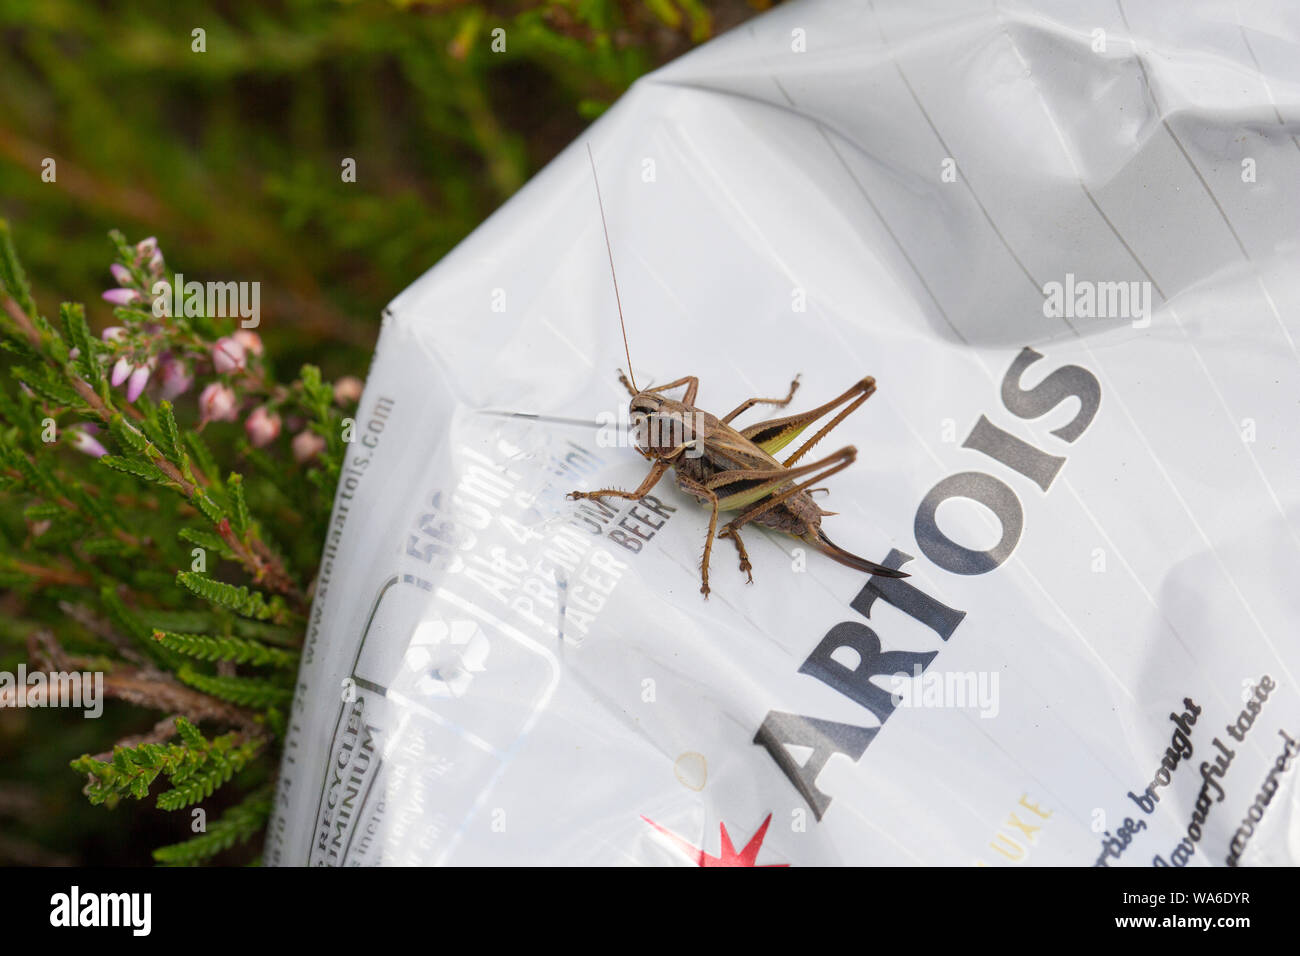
column 823, row 468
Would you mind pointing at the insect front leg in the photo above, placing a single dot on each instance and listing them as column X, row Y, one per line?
column 751, row 402
column 691, row 382
column 695, row 488
column 656, row 472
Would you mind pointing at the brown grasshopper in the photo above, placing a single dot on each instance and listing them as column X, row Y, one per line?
column 734, row 470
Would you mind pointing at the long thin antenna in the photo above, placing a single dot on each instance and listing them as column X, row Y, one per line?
column 610, row 249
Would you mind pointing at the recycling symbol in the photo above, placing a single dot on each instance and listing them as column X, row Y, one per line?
column 445, row 656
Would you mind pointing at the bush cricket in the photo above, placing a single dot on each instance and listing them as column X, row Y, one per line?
column 734, row 470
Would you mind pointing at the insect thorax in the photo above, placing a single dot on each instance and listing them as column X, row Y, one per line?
column 664, row 431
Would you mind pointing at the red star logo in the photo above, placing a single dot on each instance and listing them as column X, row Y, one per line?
column 729, row 856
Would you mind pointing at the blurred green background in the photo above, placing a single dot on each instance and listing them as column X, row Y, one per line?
column 232, row 158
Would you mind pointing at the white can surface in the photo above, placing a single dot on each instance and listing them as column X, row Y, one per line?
column 1062, row 236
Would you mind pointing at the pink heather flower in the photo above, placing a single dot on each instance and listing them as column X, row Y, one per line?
column 156, row 265
column 217, row 403
column 251, row 341
column 174, row 378
column 40, row 527
column 262, row 426
column 307, row 445
column 121, row 273
column 147, row 247
column 347, row 389
column 83, row 439
column 227, row 355
column 114, row 333
column 121, row 371
column 138, row 380
column 122, row 296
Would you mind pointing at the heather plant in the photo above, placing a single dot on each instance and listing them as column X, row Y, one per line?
column 129, row 551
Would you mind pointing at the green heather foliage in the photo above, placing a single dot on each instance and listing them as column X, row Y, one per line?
column 235, row 826
column 166, row 481
column 124, row 551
